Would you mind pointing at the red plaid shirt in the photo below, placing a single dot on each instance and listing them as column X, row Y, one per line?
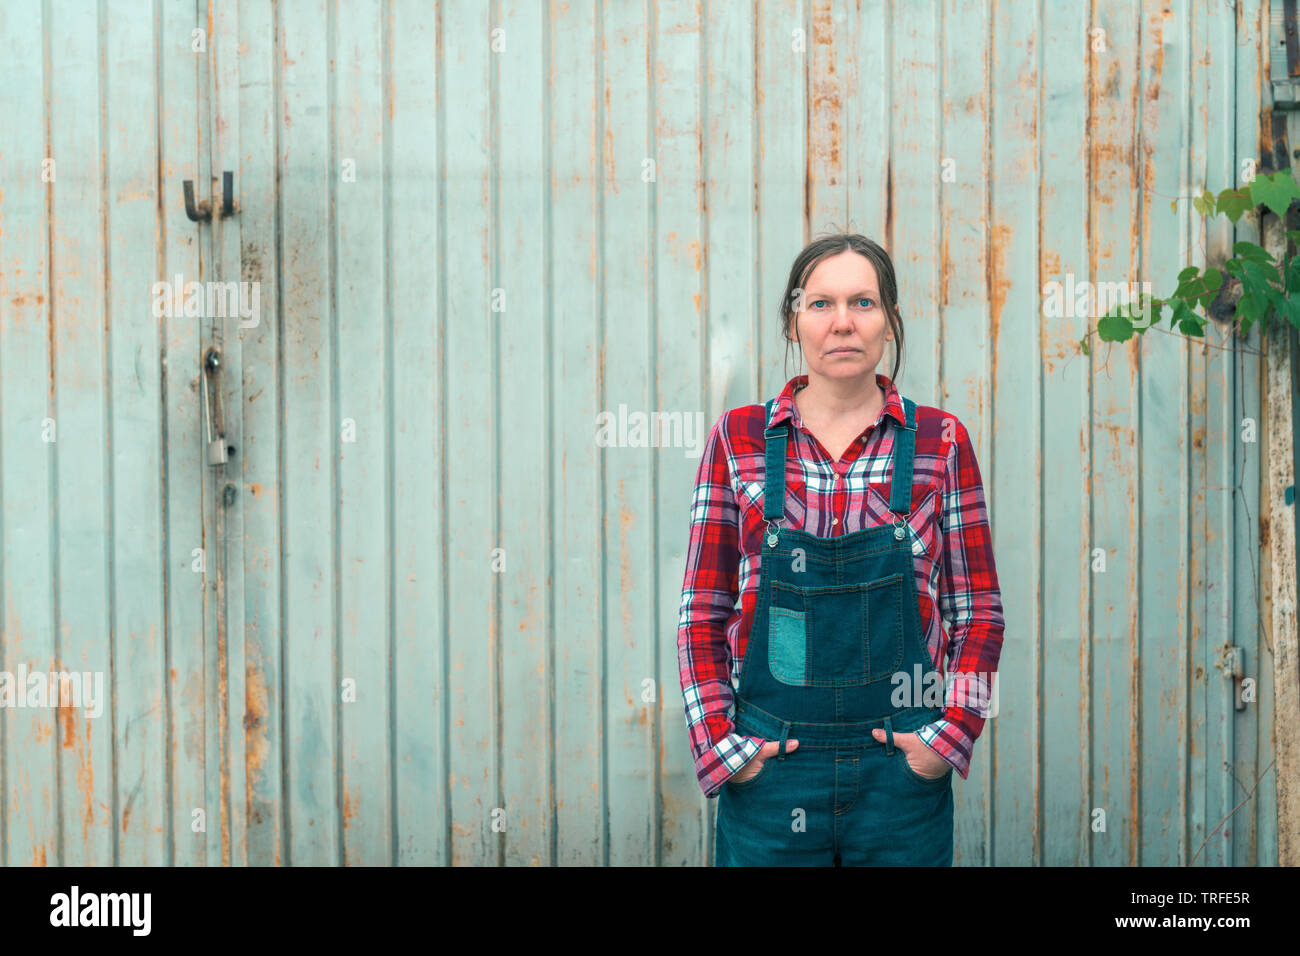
column 952, row 556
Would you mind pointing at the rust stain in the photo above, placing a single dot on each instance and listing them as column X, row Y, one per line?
column 349, row 807
column 889, row 200
column 67, row 719
column 945, row 267
column 38, row 857
column 999, row 278
column 1051, row 264
column 611, row 176
column 256, row 741
column 626, row 520
column 85, row 770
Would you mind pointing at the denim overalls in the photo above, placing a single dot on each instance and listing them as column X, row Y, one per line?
column 836, row 619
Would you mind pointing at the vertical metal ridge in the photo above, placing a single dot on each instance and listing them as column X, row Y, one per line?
column 1185, row 466
column 164, row 539
column 1136, row 263
column 281, row 486
column 387, row 95
column 52, row 474
column 1040, row 582
column 494, row 347
column 990, row 493
column 652, row 112
column 331, row 108
column 110, row 551
column 705, row 391
column 440, row 119
column 1085, row 644
column 602, row 476
column 548, row 378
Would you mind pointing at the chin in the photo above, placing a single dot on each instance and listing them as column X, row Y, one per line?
column 849, row 370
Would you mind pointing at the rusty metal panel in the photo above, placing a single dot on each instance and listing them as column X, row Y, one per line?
column 422, row 615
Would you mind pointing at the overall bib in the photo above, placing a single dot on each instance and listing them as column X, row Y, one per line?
column 836, row 620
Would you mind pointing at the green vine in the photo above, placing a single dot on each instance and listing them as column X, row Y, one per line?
column 1250, row 287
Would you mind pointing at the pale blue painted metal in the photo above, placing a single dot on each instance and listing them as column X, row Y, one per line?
column 437, row 623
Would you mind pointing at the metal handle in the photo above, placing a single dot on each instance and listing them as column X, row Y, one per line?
column 214, row 428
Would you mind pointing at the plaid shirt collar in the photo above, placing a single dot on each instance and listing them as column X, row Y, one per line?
column 785, row 407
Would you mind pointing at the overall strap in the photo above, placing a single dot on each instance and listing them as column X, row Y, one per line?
column 774, row 467
column 900, row 483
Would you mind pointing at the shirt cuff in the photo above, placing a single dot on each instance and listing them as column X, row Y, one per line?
column 950, row 740
column 723, row 759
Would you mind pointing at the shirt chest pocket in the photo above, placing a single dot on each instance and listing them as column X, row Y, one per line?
column 924, row 524
column 749, row 495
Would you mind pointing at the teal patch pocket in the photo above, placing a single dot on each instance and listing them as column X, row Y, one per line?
column 787, row 646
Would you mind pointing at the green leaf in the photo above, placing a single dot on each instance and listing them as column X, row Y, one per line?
column 1275, row 191
column 1250, row 308
column 1276, row 301
column 1293, row 235
column 1252, row 253
column 1257, row 278
column 1143, row 313
column 1213, row 279
column 1192, row 326
column 1114, row 328
column 1232, row 267
column 1184, row 318
column 1292, row 310
column 1234, row 203
column 1293, row 275
column 1083, row 346
column 1188, row 273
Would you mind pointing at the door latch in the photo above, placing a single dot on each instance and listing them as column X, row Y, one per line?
column 1234, row 668
column 214, row 422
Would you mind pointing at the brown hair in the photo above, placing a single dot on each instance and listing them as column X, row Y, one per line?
column 831, row 245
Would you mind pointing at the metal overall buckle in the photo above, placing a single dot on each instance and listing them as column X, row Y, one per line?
column 900, row 526
column 772, row 533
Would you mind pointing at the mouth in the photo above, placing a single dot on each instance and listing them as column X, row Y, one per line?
column 844, row 350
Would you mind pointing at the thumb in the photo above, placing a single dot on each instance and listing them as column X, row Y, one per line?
column 772, row 746
column 879, row 734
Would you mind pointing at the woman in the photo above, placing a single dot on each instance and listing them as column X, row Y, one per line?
column 846, row 519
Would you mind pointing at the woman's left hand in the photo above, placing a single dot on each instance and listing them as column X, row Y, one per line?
column 919, row 757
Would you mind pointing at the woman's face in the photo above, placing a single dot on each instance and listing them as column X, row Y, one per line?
column 842, row 328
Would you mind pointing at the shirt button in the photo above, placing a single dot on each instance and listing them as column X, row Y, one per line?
column 835, row 521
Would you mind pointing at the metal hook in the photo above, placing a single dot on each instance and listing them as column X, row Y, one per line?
column 227, row 194
column 202, row 211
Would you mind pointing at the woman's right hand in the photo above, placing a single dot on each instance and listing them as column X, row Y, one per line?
column 755, row 764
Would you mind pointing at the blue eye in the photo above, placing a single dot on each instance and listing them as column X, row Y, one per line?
column 865, row 299
column 815, row 301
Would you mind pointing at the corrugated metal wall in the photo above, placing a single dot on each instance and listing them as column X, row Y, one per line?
column 436, row 621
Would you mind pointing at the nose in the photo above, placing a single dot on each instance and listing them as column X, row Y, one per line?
column 842, row 320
